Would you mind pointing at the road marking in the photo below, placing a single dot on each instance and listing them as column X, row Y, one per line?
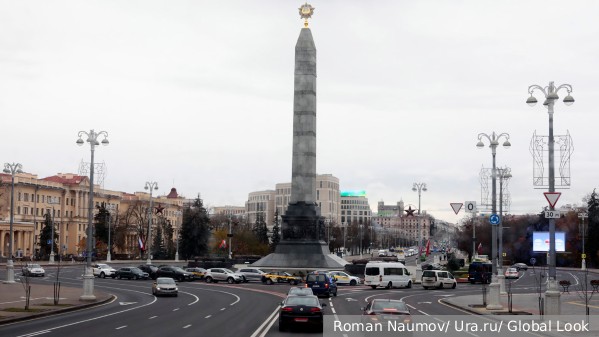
column 223, row 309
column 190, row 294
column 265, row 326
column 208, row 316
column 120, row 327
column 152, row 317
column 422, row 312
column 187, row 326
column 127, row 303
column 37, row 333
column 333, row 310
column 175, row 309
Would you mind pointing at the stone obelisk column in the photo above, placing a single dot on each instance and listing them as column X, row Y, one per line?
column 302, row 243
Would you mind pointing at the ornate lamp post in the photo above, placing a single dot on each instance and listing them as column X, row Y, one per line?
column 583, row 215
column 419, row 187
column 88, row 277
column 504, row 174
column 550, row 92
column 11, row 169
column 150, row 185
column 52, row 201
column 178, row 225
column 109, row 208
column 494, row 288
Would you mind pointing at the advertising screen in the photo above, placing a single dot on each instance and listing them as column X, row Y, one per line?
column 540, row 241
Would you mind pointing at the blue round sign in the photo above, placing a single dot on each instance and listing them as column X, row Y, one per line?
column 494, row 219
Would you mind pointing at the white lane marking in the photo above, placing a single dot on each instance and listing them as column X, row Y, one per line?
column 208, row 316
column 37, row 333
column 422, row 312
column 152, row 317
column 101, row 316
column 410, row 306
column 175, row 309
column 190, row 294
column 265, row 326
column 224, row 292
column 187, row 326
column 120, row 327
column 222, row 309
column 333, row 310
column 367, row 299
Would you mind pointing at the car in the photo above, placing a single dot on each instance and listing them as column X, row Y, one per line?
column 165, row 286
column 251, row 274
column 322, row 283
column 301, row 311
column 102, row 270
column 197, row 273
column 520, row 266
column 387, row 274
column 130, row 273
column 280, row 277
column 174, row 272
column 300, row 291
column 512, row 273
column 385, row 311
column 431, row 266
column 213, row 275
column 438, row 279
column 33, row 269
column 150, row 269
column 344, row 278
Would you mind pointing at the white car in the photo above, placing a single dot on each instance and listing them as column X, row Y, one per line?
column 102, row 270
column 438, row 279
column 512, row 273
column 33, row 269
column 345, row 278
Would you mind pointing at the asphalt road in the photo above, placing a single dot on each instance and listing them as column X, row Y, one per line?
column 250, row 309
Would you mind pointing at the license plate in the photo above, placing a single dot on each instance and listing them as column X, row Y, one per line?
column 389, row 317
column 302, row 320
column 315, row 286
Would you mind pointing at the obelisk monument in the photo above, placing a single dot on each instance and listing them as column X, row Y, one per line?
column 302, row 244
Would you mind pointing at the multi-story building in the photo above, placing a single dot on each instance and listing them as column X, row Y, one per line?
column 65, row 197
column 355, row 207
column 327, row 197
column 229, row 211
column 261, row 203
column 401, row 227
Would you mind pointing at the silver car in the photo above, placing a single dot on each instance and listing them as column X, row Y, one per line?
column 222, row 274
column 165, row 286
column 251, row 274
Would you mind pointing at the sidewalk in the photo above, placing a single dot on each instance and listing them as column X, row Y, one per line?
column 12, row 301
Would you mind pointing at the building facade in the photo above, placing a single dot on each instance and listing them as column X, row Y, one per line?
column 327, row 196
column 355, row 207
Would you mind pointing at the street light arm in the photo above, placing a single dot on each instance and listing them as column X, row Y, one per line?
column 532, row 88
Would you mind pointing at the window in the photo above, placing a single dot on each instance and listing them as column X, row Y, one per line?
column 19, row 197
column 18, row 209
column 26, row 196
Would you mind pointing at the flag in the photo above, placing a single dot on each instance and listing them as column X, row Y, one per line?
column 428, row 247
column 479, row 250
column 141, row 243
column 223, row 244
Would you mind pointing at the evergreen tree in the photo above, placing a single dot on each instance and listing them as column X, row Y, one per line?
column 195, row 230
column 260, row 229
column 593, row 230
column 276, row 236
column 157, row 244
column 46, row 234
column 101, row 223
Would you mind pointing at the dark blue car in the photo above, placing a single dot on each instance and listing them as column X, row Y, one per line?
column 322, row 284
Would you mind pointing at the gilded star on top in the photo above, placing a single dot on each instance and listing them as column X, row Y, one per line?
column 306, row 11
column 410, row 211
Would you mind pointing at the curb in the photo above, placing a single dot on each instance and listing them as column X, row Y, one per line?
column 57, row 311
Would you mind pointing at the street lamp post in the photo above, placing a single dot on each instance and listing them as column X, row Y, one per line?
column 583, row 216
column 344, row 235
column 494, row 287
column 504, row 174
column 178, row 225
column 52, row 201
column 361, row 239
column 552, row 304
column 11, row 169
column 109, row 208
column 150, row 185
column 88, row 277
column 420, row 187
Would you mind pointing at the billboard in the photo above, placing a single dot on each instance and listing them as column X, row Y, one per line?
column 360, row 193
column 540, row 242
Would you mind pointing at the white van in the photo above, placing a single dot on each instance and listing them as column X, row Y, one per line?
column 387, row 274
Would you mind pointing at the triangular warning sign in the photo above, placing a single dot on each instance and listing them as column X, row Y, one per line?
column 457, row 206
column 552, row 197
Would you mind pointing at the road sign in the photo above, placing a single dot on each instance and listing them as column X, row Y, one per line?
column 552, row 214
column 584, row 256
column 470, row 206
column 552, row 197
column 504, row 254
column 456, row 206
column 494, row 219
column 533, row 260
column 49, row 241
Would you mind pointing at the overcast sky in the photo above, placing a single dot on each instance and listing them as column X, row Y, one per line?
column 198, row 95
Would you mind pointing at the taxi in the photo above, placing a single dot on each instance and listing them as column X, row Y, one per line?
column 344, row 278
column 280, row 277
column 198, row 273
